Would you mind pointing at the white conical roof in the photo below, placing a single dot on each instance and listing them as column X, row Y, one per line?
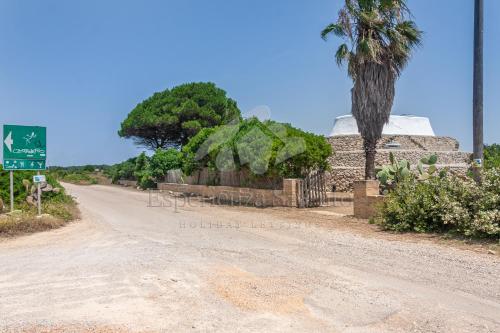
column 398, row 125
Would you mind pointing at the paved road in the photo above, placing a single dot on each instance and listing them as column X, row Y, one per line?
column 126, row 266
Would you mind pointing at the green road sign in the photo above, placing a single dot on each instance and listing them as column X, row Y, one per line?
column 17, row 164
column 24, row 142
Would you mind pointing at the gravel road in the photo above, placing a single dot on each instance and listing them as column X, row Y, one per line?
column 127, row 267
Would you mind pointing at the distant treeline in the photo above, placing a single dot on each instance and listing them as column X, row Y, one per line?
column 80, row 168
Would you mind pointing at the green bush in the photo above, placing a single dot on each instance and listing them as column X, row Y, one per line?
column 192, row 160
column 163, row 161
column 58, row 204
column 267, row 149
column 445, row 204
column 21, row 191
column 141, row 165
column 124, row 170
column 146, row 170
column 146, row 180
column 492, row 156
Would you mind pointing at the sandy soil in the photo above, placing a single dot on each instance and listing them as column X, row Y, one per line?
column 127, row 267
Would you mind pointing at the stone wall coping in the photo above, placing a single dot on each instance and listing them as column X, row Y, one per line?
column 456, row 165
column 384, row 150
column 394, row 135
column 221, row 187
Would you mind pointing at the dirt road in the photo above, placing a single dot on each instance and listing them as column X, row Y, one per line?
column 127, row 267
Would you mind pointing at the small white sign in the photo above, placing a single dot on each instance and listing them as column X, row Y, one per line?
column 39, row 179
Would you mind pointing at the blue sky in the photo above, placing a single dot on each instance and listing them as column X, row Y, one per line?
column 78, row 67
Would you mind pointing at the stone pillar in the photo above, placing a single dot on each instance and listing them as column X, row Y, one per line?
column 366, row 197
column 290, row 192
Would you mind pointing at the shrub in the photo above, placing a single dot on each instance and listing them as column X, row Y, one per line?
column 163, row 161
column 60, row 207
column 192, row 160
column 141, row 165
column 146, row 170
column 21, row 179
column 445, row 204
column 267, row 149
column 492, row 156
column 142, row 172
column 146, row 181
column 124, row 170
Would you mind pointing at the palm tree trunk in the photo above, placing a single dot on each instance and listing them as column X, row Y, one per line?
column 370, row 151
column 372, row 99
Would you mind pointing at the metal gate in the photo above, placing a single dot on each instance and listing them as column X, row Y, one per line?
column 311, row 191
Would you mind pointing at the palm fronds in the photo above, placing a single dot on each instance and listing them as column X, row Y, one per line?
column 375, row 30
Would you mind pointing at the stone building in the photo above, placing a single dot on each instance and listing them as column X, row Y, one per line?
column 408, row 137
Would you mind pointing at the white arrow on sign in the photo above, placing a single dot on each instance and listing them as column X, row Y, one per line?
column 8, row 141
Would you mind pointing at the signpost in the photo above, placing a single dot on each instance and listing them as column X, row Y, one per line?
column 24, row 148
column 37, row 179
column 11, row 181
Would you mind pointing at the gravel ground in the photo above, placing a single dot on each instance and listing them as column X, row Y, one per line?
column 127, row 267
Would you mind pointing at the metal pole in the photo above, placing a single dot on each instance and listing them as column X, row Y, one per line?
column 11, row 176
column 477, row 119
column 39, row 197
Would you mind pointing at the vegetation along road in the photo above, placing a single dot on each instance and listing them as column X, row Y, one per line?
column 127, row 267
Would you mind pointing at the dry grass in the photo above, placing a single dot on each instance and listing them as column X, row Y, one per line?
column 83, row 178
column 26, row 221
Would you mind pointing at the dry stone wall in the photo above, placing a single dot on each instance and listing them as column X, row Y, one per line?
column 286, row 197
column 348, row 161
column 414, row 142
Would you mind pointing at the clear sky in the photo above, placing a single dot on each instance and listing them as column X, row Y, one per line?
column 78, row 67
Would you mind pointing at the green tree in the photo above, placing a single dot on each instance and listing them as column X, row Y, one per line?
column 379, row 40
column 169, row 118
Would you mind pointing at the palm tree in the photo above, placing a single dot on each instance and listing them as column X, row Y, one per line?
column 379, row 39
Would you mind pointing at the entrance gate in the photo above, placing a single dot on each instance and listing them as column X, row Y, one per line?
column 311, row 191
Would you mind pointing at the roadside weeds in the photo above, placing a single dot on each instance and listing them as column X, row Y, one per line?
column 26, row 221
